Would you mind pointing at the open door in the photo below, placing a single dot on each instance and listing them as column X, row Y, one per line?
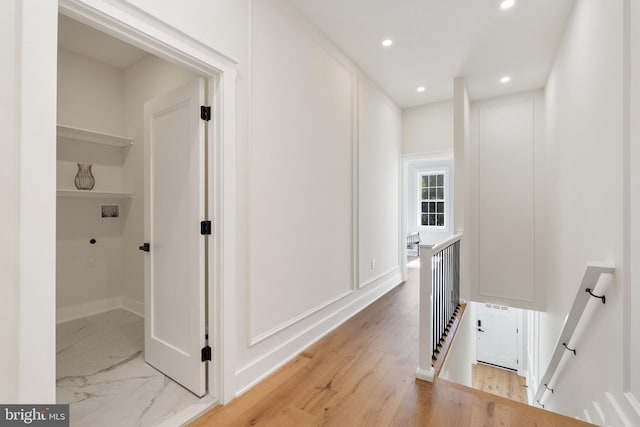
column 175, row 334
column 497, row 328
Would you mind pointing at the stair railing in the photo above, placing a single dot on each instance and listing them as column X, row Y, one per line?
column 590, row 295
column 439, row 299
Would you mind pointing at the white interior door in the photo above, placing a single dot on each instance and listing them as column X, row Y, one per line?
column 497, row 330
column 174, row 207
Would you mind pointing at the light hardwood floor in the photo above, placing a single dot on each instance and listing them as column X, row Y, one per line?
column 500, row 382
column 362, row 374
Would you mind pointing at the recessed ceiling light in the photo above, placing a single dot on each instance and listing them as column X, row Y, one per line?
column 505, row 79
column 507, row 4
column 387, row 42
column 420, row 89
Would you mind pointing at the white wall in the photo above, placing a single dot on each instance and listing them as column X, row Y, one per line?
column 142, row 81
column 312, row 110
column 221, row 24
column 462, row 182
column 458, row 366
column 634, row 213
column 95, row 277
column 10, row 216
column 90, row 96
column 584, row 198
column 300, row 173
column 28, row 40
column 379, row 182
column 505, row 227
column 428, row 128
column 259, row 99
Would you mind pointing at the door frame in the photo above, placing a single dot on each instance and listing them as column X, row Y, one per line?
column 406, row 160
column 519, row 336
column 131, row 25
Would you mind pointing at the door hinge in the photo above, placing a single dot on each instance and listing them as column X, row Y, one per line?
column 205, row 112
column 205, row 227
column 205, row 353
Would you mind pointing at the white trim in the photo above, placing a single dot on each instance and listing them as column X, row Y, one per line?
column 134, row 306
column 393, row 270
column 411, row 167
column 261, row 368
column 420, row 173
column 355, row 182
column 78, row 311
column 428, row 155
column 190, row 413
column 132, row 25
column 263, row 336
column 521, row 357
column 84, row 135
column 129, row 23
column 89, row 194
column 425, row 375
column 507, row 301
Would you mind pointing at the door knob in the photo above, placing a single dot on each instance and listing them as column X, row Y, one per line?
column 145, row 247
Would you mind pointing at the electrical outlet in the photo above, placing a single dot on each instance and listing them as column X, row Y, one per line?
column 373, row 263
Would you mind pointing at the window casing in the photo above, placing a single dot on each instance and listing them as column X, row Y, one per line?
column 432, row 200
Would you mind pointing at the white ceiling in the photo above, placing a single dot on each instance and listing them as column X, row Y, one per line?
column 438, row 40
column 84, row 40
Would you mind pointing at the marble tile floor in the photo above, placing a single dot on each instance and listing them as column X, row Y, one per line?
column 102, row 374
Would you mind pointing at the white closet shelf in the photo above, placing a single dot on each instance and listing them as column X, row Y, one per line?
column 88, row 194
column 85, row 135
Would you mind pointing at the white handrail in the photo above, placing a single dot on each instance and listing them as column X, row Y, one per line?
column 425, row 369
column 589, row 295
column 441, row 245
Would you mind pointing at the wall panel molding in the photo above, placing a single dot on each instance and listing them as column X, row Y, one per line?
column 255, row 280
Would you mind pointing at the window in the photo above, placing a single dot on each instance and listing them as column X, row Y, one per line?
column 432, row 199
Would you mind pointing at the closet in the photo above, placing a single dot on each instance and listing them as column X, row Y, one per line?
column 103, row 86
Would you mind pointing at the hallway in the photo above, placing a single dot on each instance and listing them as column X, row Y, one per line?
column 362, row 374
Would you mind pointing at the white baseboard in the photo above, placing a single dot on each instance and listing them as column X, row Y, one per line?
column 532, row 384
column 66, row 314
column 423, row 375
column 73, row 312
column 190, row 413
column 136, row 307
column 380, row 277
column 259, row 369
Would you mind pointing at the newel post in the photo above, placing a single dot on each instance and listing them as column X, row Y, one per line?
column 425, row 369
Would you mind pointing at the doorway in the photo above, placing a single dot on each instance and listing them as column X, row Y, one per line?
column 497, row 334
column 499, row 351
column 102, row 219
column 427, row 205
